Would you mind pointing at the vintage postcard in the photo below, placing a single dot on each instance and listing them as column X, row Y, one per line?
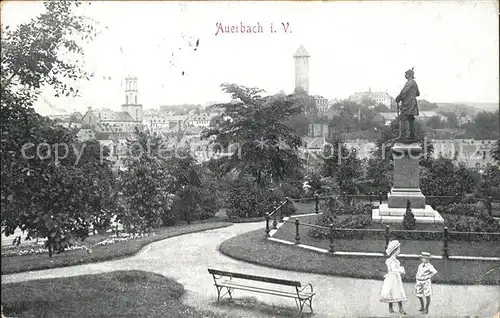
column 250, row 159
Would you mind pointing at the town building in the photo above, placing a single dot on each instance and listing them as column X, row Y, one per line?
column 200, row 120
column 318, row 130
column 378, row 97
column 110, row 124
column 321, row 103
column 112, row 128
column 470, row 153
column 165, row 123
column 426, row 115
column 312, row 148
column 422, row 116
column 388, row 117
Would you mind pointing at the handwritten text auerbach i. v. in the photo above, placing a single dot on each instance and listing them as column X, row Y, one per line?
column 241, row 28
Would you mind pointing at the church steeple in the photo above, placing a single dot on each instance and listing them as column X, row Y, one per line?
column 131, row 90
column 132, row 105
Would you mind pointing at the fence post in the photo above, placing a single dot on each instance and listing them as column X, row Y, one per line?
column 317, row 203
column 288, row 201
column 490, row 206
column 332, row 248
column 267, row 224
column 275, row 221
column 387, row 235
column 371, row 199
column 297, row 236
column 380, row 198
column 446, row 252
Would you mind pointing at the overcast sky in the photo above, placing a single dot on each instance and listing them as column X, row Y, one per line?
column 353, row 45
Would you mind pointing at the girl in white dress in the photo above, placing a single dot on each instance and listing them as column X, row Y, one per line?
column 392, row 288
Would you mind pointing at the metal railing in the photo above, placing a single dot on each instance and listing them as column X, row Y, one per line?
column 388, row 234
column 380, row 197
column 274, row 214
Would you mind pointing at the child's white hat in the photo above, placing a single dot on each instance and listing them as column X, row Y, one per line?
column 425, row 255
column 392, row 246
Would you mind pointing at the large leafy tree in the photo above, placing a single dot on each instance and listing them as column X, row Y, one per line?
column 488, row 186
column 263, row 146
column 32, row 57
column 46, row 51
column 342, row 165
column 57, row 189
column 99, row 183
column 188, row 184
column 147, row 185
column 495, row 152
column 484, row 126
column 443, row 178
column 41, row 193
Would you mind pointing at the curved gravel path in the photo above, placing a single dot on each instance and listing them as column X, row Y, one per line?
column 187, row 257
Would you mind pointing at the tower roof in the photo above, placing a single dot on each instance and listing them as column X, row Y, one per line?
column 301, row 52
column 131, row 76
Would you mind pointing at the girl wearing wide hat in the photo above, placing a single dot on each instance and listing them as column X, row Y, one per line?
column 392, row 288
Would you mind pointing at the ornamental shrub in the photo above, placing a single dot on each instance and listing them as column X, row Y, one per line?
column 409, row 222
column 334, row 206
column 246, row 200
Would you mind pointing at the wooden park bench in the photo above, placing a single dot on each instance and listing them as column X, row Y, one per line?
column 230, row 281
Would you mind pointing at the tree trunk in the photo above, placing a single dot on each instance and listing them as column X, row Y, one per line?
column 49, row 243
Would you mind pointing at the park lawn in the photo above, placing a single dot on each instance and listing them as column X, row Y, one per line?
column 254, row 248
column 115, row 294
column 456, row 248
column 16, row 264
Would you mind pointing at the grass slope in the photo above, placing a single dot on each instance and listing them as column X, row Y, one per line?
column 116, row 294
column 254, row 248
column 16, row 264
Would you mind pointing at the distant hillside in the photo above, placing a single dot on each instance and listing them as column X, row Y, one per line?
column 470, row 108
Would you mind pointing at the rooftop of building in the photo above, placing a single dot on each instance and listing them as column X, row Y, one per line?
column 314, row 142
column 301, row 52
column 108, row 115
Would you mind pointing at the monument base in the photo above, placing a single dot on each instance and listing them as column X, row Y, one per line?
column 398, row 198
column 387, row 215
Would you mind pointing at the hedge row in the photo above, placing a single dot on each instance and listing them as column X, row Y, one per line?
column 465, row 222
column 403, row 235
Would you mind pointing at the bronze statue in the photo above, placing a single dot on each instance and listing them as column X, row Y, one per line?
column 409, row 108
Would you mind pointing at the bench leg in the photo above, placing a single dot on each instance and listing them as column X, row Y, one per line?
column 301, row 302
column 228, row 292
column 218, row 292
column 310, row 304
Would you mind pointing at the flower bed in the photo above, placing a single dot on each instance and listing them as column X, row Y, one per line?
column 37, row 248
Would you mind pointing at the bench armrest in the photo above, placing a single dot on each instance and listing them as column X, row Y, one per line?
column 305, row 286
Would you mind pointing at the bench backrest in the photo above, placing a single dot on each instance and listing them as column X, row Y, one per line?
column 255, row 278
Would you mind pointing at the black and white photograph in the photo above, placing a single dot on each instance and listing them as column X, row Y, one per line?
column 219, row 159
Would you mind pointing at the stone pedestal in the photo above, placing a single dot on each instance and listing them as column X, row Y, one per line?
column 406, row 187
